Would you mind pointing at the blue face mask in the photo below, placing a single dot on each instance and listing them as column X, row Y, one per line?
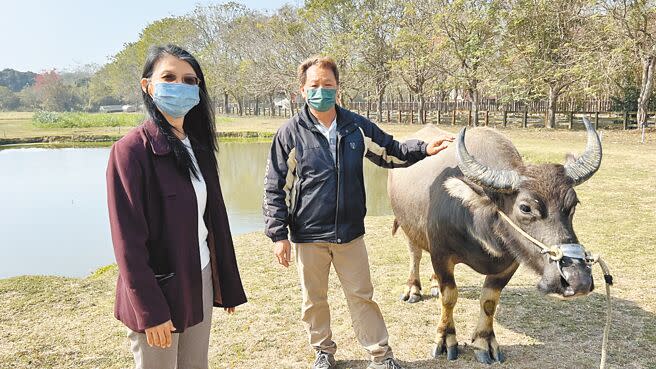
column 321, row 99
column 176, row 99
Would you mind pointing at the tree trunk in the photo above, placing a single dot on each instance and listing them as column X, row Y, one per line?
column 226, row 105
column 381, row 95
column 290, row 95
column 422, row 108
column 272, row 105
column 473, row 96
column 551, row 106
column 240, row 107
column 646, row 88
column 398, row 91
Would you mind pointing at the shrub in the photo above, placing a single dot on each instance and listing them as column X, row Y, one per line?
column 47, row 119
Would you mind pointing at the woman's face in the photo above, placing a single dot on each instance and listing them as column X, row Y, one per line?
column 169, row 69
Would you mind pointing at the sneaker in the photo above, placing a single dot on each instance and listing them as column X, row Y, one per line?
column 324, row 360
column 388, row 363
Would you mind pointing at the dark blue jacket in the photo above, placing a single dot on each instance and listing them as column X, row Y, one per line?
column 319, row 199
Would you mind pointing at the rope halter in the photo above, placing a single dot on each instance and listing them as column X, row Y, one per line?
column 574, row 251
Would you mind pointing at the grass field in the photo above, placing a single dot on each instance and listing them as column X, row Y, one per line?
column 54, row 322
column 19, row 125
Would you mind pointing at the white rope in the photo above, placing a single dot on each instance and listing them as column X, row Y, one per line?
column 556, row 254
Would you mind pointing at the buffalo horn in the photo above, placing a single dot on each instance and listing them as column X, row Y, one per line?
column 587, row 164
column 498, row 179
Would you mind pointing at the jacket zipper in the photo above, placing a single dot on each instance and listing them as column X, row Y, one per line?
column 337, row 195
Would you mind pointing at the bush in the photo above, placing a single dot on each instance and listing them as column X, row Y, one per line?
column 48, row 119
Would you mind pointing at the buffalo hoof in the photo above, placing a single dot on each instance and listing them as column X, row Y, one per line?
column 413, row 298
column 451, row 351
column 410, row 298
column 488, row 357
column 435, row 291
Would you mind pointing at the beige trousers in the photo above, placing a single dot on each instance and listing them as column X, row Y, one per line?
column 188, row 349
column 351, row 264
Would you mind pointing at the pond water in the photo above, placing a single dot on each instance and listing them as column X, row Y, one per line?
column 53, row 212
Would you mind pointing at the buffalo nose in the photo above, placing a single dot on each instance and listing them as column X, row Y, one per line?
column 569, row 292
column 582, row 286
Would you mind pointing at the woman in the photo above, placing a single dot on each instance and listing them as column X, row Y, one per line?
column 169, row 226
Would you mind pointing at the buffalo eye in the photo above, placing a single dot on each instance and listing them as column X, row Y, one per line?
column 525, row 209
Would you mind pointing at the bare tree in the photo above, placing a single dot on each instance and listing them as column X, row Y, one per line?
column 422, row 53
column 547, row 44
column 470, row 28
column 636, row 19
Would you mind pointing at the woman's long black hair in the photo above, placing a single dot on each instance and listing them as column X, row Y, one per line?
column 199, row 121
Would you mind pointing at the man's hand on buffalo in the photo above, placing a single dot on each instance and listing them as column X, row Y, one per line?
column 439, row 144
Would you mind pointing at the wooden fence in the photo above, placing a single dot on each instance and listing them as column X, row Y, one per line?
column 458, row 113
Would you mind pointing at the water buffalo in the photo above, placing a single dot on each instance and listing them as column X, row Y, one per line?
column 455, row 212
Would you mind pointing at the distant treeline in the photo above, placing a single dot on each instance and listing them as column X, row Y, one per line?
column 396, row 51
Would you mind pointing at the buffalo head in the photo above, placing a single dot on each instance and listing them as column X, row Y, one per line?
column 541, row 200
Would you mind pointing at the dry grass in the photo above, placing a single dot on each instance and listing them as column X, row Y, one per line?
column 52, row 322
column 19, row 125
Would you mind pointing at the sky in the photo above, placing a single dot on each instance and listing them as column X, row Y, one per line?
column 38, row 35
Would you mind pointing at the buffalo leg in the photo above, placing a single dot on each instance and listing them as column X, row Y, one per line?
column 445, row 339
column 435, row 286
column 486, row 348
column 412, row 291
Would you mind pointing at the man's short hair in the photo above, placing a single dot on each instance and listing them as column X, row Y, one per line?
column 322, row 62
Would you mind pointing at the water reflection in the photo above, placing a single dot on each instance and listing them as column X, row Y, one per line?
column 53, row 218
column 242, row 175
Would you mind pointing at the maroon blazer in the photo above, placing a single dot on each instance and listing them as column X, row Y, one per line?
column 153, row 217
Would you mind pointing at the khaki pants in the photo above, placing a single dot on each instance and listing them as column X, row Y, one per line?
column 188, row 349
column 351, row 263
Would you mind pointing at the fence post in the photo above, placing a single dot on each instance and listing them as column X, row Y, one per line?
column 453, row 120
column 597, row 120
column 525, row 120
column 387, row 108
column 626, row 120
column 400, row 116
column 505, row 117
column 571, row 119
column 487, row 117
column 439, row 116
column 412, row 113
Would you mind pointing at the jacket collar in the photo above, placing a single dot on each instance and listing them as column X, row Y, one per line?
column 344, row 118
column 156, row 138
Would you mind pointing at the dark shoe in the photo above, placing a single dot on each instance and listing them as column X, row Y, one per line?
column 324, row 360
column 388, row 363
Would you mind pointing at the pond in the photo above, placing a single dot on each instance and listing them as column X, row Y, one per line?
column 53, row 217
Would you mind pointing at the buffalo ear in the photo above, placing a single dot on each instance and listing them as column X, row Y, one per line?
column 471, row 194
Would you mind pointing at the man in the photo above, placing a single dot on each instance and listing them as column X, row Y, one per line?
column 314, row 185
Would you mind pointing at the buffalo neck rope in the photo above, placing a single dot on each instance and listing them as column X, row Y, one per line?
column 556, row 254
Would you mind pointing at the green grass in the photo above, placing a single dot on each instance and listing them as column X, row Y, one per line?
column 19, row 127
column 54, row 322
column 44, row 119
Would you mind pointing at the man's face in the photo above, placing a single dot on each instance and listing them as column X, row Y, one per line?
column 318, row 76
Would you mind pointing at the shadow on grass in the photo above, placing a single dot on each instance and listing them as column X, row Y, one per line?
column 570, row 332
column 543, row 332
